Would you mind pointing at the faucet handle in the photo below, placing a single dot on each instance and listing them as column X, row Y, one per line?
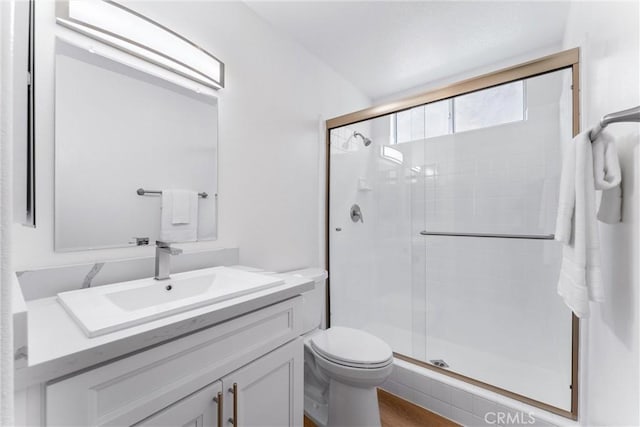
column 167, row 246
column 140, row 241
column 356, row 214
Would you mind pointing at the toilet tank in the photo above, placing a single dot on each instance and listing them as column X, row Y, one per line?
column 313, row 302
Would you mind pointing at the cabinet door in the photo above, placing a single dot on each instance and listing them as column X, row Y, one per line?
column 269, row 391
column 200, row 409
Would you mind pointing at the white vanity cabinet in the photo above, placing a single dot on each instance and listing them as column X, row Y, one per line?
column 267, row 392
column 252, row 365
column 196, row 410
column 263, row 393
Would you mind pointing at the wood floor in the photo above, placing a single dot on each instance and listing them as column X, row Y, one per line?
column 397, row 412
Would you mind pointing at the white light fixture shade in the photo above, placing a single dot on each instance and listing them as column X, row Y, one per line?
column 124, row 29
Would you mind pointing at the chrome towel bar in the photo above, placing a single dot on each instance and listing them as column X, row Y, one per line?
column 491, row 235
column 143, row 192
column 630, row 115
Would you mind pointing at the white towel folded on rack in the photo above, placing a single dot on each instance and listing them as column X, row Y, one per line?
column 607, row 177
column 580, row 275
column 179, row 216
column 181, row 205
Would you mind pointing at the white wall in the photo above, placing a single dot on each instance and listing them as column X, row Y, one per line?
column 270, row 150
column 472, row 72
column 7, row 57
column 608, row 35
column 350, row 257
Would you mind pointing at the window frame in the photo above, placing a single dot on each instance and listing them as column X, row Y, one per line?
column 451, row 119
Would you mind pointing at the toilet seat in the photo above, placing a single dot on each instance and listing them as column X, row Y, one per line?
column 352, row 347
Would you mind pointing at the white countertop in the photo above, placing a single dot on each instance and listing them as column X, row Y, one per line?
column 58, row 347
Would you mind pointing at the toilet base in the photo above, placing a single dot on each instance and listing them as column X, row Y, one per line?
column 352, row 406
column 316, row 412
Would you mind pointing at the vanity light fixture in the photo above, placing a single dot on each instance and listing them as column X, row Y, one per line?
column 122, row 28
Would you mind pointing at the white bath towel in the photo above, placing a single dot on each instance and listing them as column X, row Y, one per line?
column 607, row 177
column 179, row 216
column 580, row 275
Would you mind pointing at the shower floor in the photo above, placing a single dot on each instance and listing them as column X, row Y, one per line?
column 545, row 385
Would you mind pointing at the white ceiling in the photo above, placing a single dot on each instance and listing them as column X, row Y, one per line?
column 384, row 47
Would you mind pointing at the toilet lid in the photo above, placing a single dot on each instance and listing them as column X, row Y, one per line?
column 352, row 347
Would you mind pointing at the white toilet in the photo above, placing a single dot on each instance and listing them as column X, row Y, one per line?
column 342, row 366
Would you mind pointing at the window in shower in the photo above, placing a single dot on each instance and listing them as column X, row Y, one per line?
column 490, row 107
column 481, row 109
column 455, row 260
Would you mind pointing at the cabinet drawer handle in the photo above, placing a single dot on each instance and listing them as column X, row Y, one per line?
column 218, row 400
column 234, row 390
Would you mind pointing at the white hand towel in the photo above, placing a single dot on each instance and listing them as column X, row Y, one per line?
column 181, row 206
column 607, row 177
column 580, row 275
column 179, row 216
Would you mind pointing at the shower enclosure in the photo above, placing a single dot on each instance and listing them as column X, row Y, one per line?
column 451, row 258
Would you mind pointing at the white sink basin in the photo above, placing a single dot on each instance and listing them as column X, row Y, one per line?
column 156, row 293
column 109, row 308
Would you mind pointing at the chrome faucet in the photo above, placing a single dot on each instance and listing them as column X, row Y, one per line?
column 163, row 259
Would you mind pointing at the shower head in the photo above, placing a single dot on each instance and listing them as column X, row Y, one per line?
column 366, row 141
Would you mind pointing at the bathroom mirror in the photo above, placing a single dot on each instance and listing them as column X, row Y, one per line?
column 118, row 129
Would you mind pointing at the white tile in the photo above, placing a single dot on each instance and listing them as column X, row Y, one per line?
column 481, row 406
column 465, row 418
column 392, row 387
column 541, row 423
column 462, row 399
column 441, row 391
column 409, row 378
column 440, row 408
column 423, row 384
column 423, row 400
column 401, row 375
column 478, row 422
column 510, row 417
column 400, row 390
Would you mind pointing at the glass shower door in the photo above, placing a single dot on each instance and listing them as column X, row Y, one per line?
column 491, row 264
column 451, row 259
column 372, row 258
